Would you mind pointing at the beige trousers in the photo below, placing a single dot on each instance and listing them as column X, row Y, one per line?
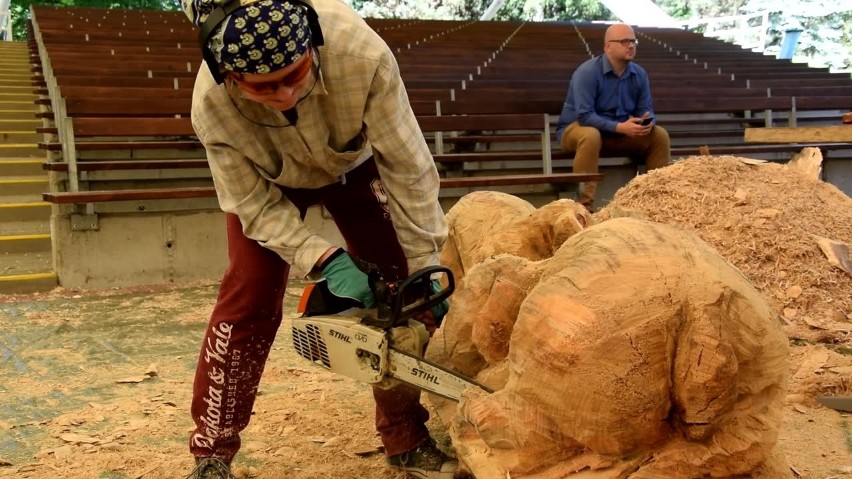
column 589, row 145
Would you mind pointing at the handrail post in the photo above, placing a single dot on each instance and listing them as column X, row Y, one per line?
column 64, row 126
column 546, row 157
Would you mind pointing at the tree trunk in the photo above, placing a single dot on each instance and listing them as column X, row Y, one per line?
column 632, row 351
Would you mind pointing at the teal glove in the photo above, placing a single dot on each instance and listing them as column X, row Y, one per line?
column 441, row 309
column 433, row 317
column 345, row 280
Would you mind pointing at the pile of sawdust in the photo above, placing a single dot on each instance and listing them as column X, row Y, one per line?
column 761, row 218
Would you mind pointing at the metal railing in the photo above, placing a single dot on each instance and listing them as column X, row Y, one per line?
column 5, row 25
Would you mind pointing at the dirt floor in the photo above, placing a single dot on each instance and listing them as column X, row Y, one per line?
column 97, row 385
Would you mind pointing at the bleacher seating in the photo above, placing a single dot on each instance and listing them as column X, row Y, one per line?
column 116, row 88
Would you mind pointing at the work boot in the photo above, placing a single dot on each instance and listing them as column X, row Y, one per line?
column 427, row 462
column 210, row 468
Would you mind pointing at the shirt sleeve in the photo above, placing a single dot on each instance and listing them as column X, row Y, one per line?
column 266, row 215
column 643, row 97
column 584, row 86
column 406, row 167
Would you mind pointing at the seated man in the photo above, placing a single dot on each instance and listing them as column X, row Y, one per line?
column 608, row 111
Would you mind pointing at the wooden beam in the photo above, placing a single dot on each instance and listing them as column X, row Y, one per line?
column 802, row 134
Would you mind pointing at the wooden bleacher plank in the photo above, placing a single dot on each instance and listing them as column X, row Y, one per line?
column 142, row 127
column 506, row 180
column 208, row 192
column 128, row 195
column 105, row 165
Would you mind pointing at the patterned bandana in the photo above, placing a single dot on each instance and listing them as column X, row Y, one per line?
column 262, row 37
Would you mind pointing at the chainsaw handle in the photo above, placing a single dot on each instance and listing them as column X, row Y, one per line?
column 426, row 299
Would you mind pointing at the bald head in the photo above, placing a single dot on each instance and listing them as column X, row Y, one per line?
column 619, row 31
column 620, row 45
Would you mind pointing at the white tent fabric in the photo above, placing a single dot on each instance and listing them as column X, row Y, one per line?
column 641, row 13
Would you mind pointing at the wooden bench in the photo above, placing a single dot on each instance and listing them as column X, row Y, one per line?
column 127, row 129
column 556, row 180
column 521, row 127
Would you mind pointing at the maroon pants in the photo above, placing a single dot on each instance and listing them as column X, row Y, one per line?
column 248, row 313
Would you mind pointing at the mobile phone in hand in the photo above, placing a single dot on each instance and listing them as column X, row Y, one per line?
column 647, row 121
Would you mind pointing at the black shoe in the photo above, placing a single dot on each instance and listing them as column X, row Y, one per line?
column 426, row 462
column 211, row 468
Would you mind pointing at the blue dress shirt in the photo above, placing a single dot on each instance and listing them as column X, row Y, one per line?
column 599, row 98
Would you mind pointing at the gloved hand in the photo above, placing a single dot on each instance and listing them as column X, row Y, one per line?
column 441, row 309
column 345, row 280
column 432, row 319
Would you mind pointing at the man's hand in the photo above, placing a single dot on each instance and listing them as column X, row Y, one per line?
column 433, row 318
column 633, row 126
column 345, row 280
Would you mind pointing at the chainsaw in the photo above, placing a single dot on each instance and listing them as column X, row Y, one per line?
column 381, row 345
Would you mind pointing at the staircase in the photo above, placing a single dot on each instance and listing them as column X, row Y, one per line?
column 25, row 250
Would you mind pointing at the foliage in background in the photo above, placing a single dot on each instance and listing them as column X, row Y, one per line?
column 536, row 10
column 826, row 24
column 20, row 9
column 826, row 29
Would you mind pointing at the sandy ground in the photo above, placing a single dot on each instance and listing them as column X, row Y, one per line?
column 97, row 385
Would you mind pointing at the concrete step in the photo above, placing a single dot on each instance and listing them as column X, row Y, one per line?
column 15, row 68
column 25, row 243
column 26, row 272
column 18, row 114
column 16, row 77
column 16, row 104
column 15, row 73
column 17, row 82
column 15, row 65
column 17, row 228
column 18, row 95
column 28, row 283
column 32, row 197
column 21, row 167
column 14, row 46
column 37, row 211
column 22, row 189
column 19, row 149
column 28, row 124
column 19, row 90
column 18, row 137
column 27, row 262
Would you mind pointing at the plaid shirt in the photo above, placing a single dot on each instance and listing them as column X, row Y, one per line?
column 358, row 107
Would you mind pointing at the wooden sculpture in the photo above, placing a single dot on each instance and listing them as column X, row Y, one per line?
column 631, row 350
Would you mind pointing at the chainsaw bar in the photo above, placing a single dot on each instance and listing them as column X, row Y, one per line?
column 428, row 376
column 839, row 403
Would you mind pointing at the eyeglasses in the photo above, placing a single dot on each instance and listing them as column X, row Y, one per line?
column 626, row 42
column 234, row 88
column 289, row 80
